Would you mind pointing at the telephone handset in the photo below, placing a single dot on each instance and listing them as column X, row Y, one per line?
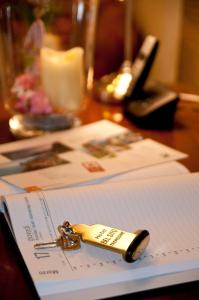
column 142, row 64
column 152, row 105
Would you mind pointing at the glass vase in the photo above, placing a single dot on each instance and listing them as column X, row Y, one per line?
column 47, row 54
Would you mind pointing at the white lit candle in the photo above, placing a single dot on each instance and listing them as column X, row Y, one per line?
column 62, row 77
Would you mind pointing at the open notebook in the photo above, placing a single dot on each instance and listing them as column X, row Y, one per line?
column 167, row 207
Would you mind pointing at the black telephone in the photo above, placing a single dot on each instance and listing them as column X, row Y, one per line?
column 142, row 64
column 153, row 105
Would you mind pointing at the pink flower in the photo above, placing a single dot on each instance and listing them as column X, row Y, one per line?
column 21, row 107
column 30, row 99
column 23, row 84
column 23, row 103
column 25, row 81
column 39, row 103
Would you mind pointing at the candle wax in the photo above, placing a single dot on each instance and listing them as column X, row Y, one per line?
column 62, row 78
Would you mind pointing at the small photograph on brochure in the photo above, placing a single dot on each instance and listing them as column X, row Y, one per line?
column 110, row 146
column 55, row 147
column 93, row 166
column 34, row 158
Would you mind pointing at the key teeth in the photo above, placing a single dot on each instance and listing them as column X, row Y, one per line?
column 45, row 245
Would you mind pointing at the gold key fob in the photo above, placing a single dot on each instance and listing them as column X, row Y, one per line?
column 130, row 245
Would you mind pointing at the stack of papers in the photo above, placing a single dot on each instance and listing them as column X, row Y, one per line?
column 88, row 154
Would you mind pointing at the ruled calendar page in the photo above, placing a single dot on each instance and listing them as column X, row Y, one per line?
column 167, row 207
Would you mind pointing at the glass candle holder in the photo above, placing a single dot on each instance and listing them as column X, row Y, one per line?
column 47, row 49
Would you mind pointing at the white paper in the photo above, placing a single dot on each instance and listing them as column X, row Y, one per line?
column 77, row 164
column 121, row 288
column 168, row 207
column 7, row 189
column 166, row 169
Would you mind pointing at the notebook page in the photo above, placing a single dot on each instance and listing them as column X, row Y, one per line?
column 167, row 207
column 122, row 288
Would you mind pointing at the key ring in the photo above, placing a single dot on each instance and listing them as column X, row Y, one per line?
column 68, row 239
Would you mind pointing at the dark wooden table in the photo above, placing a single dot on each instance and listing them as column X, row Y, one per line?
column 184, row 136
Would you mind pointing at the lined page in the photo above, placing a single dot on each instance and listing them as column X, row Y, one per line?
column 167, row 207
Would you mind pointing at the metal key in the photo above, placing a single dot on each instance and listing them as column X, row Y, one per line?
column 68, row 240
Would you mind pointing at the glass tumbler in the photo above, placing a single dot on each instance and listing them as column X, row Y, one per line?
column 47, row 70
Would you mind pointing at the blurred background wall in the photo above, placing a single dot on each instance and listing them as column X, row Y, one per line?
column 188, row 71
column 162, row 18
column 174, row 22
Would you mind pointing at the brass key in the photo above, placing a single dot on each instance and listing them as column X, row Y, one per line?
column 130, row 245
column 68, row 240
